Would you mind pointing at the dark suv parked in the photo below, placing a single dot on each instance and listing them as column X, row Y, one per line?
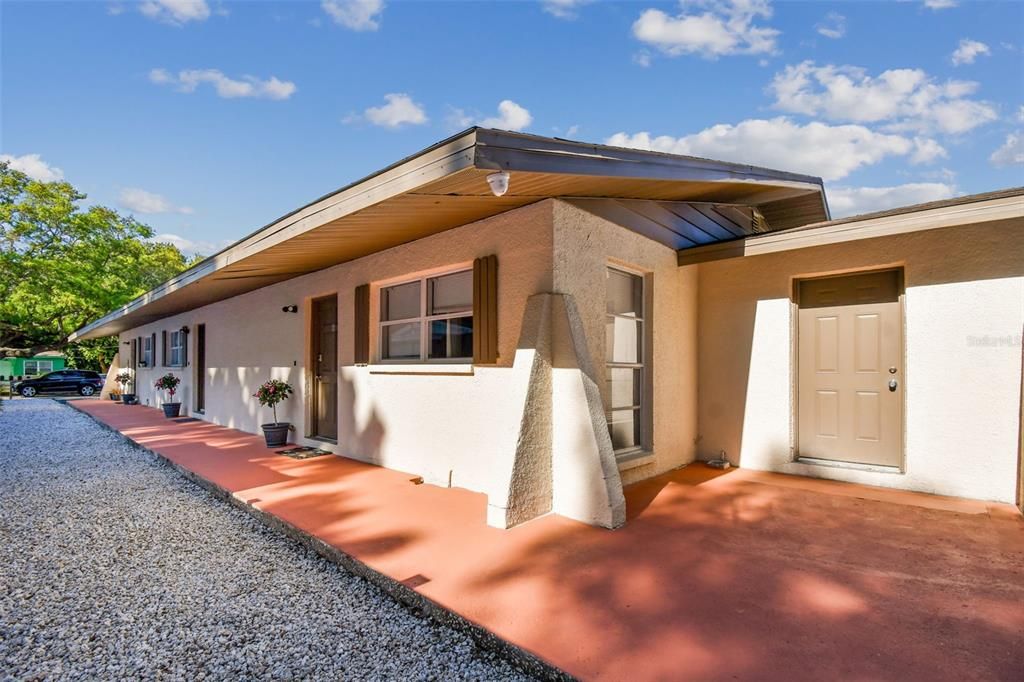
column 80, row 381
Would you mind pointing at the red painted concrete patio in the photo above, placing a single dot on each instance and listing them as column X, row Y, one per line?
column 741, row 575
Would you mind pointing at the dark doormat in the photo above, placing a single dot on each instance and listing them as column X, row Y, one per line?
column 304, row 452
column 184, row 420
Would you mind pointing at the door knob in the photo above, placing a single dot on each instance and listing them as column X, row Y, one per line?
column 893, row 384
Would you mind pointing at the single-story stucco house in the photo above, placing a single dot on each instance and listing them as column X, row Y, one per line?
column 36, row 365
column 544, row 321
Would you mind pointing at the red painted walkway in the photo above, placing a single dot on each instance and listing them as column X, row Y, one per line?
column 741, row 575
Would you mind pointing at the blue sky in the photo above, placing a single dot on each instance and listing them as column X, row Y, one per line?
column 209, row 119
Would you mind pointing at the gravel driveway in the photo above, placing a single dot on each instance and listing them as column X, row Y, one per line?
column 113, row 566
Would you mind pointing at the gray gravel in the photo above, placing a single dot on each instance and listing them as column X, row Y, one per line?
column 114, row 567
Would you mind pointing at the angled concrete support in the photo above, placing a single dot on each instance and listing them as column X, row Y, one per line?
column 563, row 459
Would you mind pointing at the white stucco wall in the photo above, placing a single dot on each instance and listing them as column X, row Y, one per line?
column 964, row 313
column 584, row 246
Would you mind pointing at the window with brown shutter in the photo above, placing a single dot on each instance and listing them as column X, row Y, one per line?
column 163, row 348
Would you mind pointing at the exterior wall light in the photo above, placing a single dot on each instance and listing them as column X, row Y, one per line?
column 290, row 309
column 498, row 182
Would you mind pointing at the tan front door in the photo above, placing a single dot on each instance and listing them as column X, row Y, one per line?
column 851, row 368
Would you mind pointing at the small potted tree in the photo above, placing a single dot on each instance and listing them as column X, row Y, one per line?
column 270, row 394
column 122, row 379
column 169, row 383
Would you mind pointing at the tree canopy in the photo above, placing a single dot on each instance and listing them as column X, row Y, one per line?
column 63, row 264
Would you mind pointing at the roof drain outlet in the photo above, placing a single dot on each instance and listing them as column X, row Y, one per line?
column 721, row 462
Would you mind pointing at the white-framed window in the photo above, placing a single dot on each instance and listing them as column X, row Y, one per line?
column 624, row 359
column 176, row 349
column 147, row 351
column 429, row 319
column 37, row 367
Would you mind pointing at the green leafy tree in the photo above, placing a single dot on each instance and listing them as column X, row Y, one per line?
column 63, row 264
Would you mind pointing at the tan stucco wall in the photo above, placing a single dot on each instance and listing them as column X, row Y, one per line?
column 529, row 432
column 457, row 429
column 584, row 245
column 963, row 285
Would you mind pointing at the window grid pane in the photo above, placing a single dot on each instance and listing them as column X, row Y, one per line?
column 624, row 294
column 450, row 293
column 401, row 341
column 401, row 302
column 451, row 338
column 623, row 340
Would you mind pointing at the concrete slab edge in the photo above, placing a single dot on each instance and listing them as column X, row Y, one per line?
column 420, row 605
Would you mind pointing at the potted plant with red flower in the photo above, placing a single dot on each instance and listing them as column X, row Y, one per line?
column 270, row 395
column 169, row 383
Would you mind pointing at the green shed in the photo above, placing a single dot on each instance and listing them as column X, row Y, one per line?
column 30, row 367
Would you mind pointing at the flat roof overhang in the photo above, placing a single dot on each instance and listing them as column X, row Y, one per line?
column 1004, row 207
column 445, row 186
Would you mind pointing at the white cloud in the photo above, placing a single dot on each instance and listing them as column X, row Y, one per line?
column 190, row 247
column 968, row 51
column 848, row 201
column 399, row 110
column 511, row 116
column 1011, row 153
column 939, row 4
column 358, row 15
column 927, row 150
column 563, row 9
column 831, row 152
column 33, row 166
column 724, row 28
column 834, row 26
column 176, row 12
column 140, row 201
column 642, row 58
column 228, row 88
column 907, row 99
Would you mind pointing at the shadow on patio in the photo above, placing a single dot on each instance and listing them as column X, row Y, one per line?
column 715, row 576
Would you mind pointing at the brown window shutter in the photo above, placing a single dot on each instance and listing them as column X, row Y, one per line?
column 163, row 348
column 362, row 324
column 485, row 310
column 184, row 348
column 152, row 350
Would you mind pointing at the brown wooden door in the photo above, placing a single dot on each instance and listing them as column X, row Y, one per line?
column 325, row 367
column 200, row 368
column 851, row 369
